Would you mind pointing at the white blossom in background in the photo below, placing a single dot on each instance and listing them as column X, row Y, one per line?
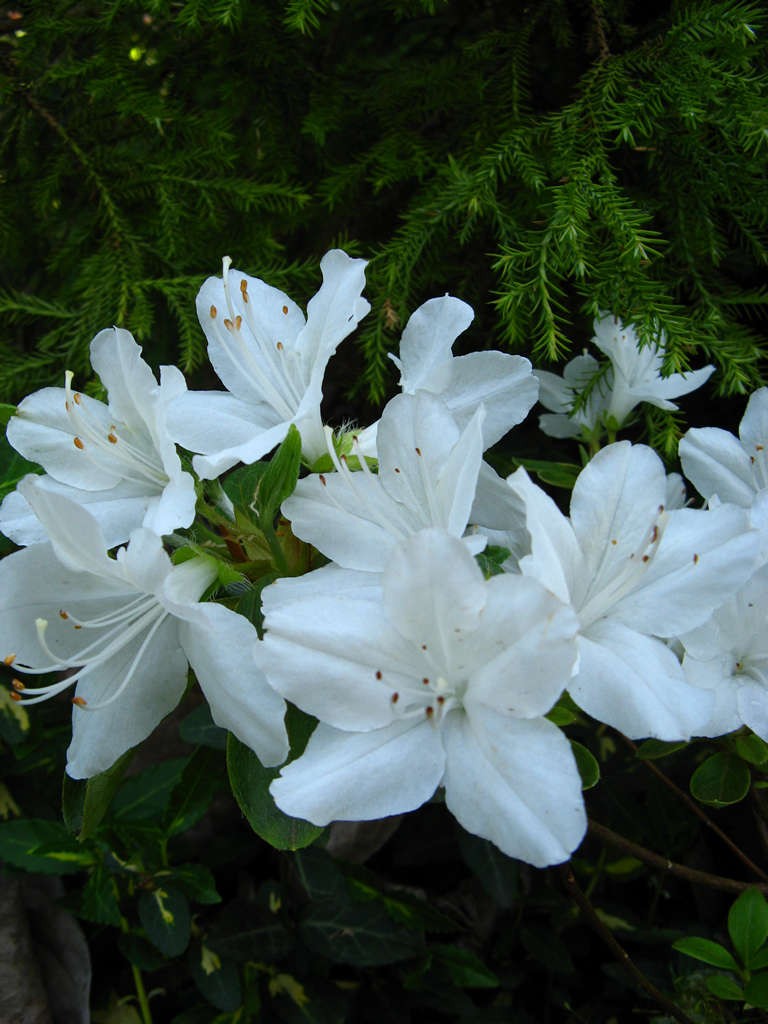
column 636, row 574
column 427, row 473
column 634, row 376
column 728, row 656
column 125, row 630
column 270, row 359
column 117, row 459
column 436, row 677
column 503, row 383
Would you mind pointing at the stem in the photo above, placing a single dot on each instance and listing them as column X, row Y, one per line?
column 679, row 870
column 574, row 891
column 702, row 815
column 141, row 994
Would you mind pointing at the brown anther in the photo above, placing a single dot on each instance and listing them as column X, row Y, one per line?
column 378, row 674
column 396, row 469
column 441, row 700
column 244, row 289
column 63, row 614
column 15, row 696
column 646, row 558
column 213, row 311
column 9, row 659
column 112, row 437
column 228, row 323
column 423, row 647
column 614, row 541
column 425, row 680
column 418, row 451
column 322, row 480
column 395, row 698
column 79, row 702
column 661, row 509
column 78, row 398
column 654, row 534
column 752, row 459
column 77, row 627
column 78, row 444
column 18, row 685
column 238, row 322
column 695, row 559
column 279, row 346
column 429, row 711
column 285, row 311
column 759, row 448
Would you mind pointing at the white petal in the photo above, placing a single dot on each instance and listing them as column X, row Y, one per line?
column 101, row 736
column 212, row 421
column 361, row 776
column 753, row 429
column 218, row 642
column 635, row 683
column 505, row 385
column 753, row 708
column 425, row 348
column 715, row 676
column 334, row 312
column 515, row 783
column 116, row 358
column 715, row 463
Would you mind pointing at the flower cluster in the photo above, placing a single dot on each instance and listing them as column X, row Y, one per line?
column 453, row 609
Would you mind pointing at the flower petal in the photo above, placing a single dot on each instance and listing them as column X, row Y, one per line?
column 716, row 464
column 505, row 385
column 425, row 361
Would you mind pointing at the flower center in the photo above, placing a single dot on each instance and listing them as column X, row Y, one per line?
column 430, row 697
column 139, row 464
column 142, row 614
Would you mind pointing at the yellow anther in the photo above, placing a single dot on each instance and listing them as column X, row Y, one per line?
column 15, row 696
column 212, row 311
column 18, row 685
column 77, row 397
column 228, row 323
column 285, row 311
column 244, row 289
column 78, row 444
column 279, row 346
column 79, row 702
column 63, row 614
column 9, row 659
column 238, row 322
column 112, row 437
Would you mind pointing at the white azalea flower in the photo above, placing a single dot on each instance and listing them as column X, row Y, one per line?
column 728, row 656
column 270, row 359
column 635, row 573
column 436, row 677
column 634, row 376
column 503, row 383
column 427, row 472
column 128, row 626
column 118, row 458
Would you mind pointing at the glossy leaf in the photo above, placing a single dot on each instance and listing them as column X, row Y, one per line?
column 721, row 780
column 748, row 924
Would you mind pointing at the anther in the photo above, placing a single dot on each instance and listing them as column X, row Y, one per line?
column 78, row 444
column 63, row 614
column 378, row 674
column 112, row 437
column 425, row 680
column 423, row 647
column 9, row 659
column 279, row 346
column 614, row 541
column 213, row 311
column 654, row 534
column 322, row 480
column 418, row 451
column 77, row 397
column 285, row 311
column 228, row 323
column 646, row 558
column 759, row 447
column 15, row 696
column 429, row 711
column 238, row 322
column 79, row 702
column 18, row 685
column 440, row 700
column 244, row 289
column 395, row 698
column 396, row 469
column 695, row 559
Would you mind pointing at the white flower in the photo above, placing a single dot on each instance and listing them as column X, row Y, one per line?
column 270, row 359
column 728, row 655
column 117, row 458
column 503, row 383
column 427, row 472
column 436, row 677
column 128, row 626
column 635, row 573
column 634, row 376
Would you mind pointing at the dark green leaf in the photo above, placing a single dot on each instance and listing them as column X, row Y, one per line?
column 707, row 951
column 548, row 948
column 145, row 797
column 100, row 898
column 199, row 729
column 586, row 762
column 721, row 780
column 218, row 980
column 558, row 474
column 748, row 924
column 241, row 487
column 252, row 930
column 725, row 988
column 44, row 847
column 466, row 969
column 139, row 952
column 164, row 913
column 320, row 875
column 491, row 560
column 250, row 782
column 498, row 874
column 280, row 477
column 6, row 411
column 651, row 750
column 362, row 934
column 192, row 796
column 756, row 991
column 86, row 801
column 751, row 748
column 195, row 881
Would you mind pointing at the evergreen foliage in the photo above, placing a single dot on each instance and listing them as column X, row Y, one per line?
column 565, row 158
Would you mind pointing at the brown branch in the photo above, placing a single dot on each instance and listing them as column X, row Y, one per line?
column 701, row 814
column 582, row 902
column 655, row 860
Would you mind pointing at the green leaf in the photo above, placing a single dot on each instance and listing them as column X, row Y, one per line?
column 707, row 951
column 748, row 924
column 586, row 762
column 192, row 796
column 195, row 880
column 13, row 467
column 491, row 560
column 14, row 719
column 498, row 874
column 759, row 960
column 139, row 952
column 558, row 474
column 723, row 987
column 44, row 847
column 100, row 898
column 217, row 980
column 241, row 487
column 721, row 780
column 751, row 748
column 86, row 801
column 199, row 729
column 164, row 914
column 466, row 969
column 756, row 991
column 280, row 477
column 145, row 797
column 6, row 411
column 548, row 948
column 651, row 750
column 362, row 934
column 250, row 782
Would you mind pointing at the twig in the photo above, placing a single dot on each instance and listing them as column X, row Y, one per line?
column 623, row 957
column 679, row 870
column 701, row 814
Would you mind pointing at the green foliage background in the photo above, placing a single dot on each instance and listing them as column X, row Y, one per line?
column 543, row 161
